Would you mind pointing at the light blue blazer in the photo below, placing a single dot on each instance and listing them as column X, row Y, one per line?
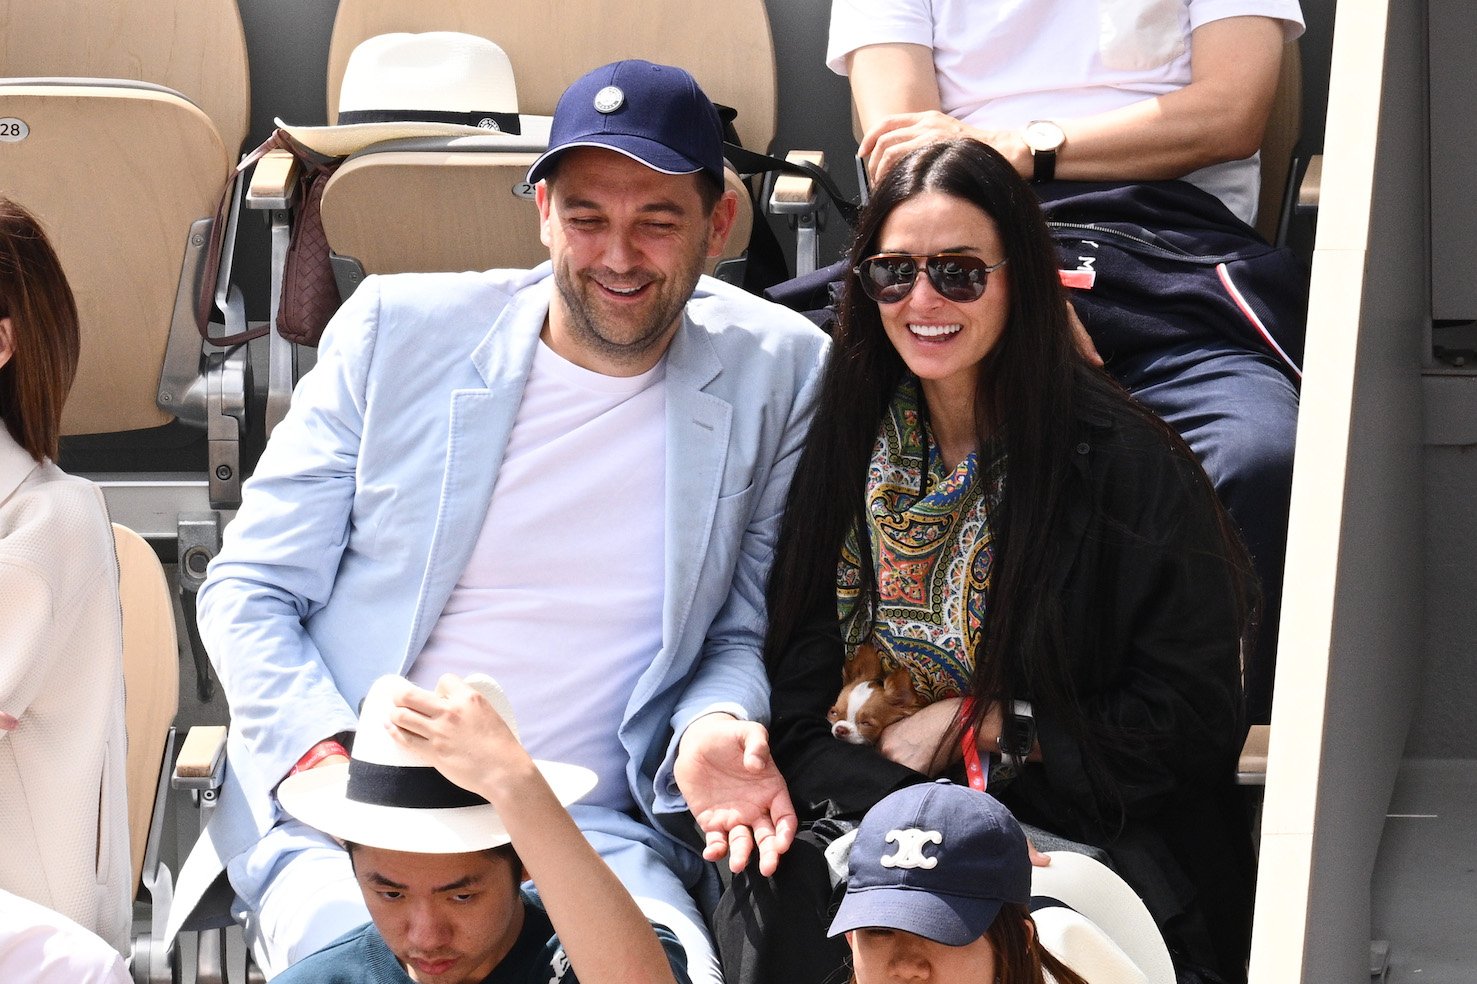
column 365, row 507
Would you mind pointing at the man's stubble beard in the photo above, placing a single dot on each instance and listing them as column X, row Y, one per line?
column 655, row 334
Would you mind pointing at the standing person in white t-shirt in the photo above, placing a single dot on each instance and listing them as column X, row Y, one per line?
column 570, row 478
column 1114, row 91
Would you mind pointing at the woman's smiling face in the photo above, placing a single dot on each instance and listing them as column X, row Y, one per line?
column 943, row 341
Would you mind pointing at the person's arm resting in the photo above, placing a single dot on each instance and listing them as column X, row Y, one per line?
column 281, row 557
column 1220, row 116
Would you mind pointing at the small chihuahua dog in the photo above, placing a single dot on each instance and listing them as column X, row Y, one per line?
column 870, row 700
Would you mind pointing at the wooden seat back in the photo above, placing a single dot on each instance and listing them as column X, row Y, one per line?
column 150, row 677
column 196, row 47
column 1284, row 127
column 450, row 211
column 116, row 175
column 726, row 46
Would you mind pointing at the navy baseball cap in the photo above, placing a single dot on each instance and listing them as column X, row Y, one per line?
column 937, row 860
column 655, row 114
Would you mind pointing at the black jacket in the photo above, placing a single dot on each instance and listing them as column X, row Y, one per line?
column 1151, row 623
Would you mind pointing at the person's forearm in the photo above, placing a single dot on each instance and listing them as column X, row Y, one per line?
column 1220, row 116
column 605, row 935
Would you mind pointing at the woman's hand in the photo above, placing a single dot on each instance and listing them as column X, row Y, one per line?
column 927, row 742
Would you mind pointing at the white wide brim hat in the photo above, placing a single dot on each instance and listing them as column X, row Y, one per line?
column 434, row 84
column 387, row 797
column 1105, row 933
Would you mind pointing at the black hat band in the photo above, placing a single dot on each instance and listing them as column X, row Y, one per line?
column 495, row 122
column 409, row 787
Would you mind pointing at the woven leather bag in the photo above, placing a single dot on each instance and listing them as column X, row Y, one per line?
column 310, row 293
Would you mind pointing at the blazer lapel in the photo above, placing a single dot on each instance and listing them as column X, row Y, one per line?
column 697, row 447
column 481, row 420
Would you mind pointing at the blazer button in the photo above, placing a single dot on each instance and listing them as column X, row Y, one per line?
column 1082, row 448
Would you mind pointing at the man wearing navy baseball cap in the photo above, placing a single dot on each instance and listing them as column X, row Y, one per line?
column 569, row 478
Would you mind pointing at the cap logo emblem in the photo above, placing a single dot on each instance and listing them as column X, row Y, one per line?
column 609, row 99
column 910, row 844
column 488, row 123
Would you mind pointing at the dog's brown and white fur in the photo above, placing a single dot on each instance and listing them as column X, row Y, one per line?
column 870, row 700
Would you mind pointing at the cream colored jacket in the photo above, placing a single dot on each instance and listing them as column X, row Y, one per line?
column 63, row 798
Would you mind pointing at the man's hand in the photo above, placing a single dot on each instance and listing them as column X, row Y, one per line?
column 735, row 791
column 7, row 722
column 896, row 136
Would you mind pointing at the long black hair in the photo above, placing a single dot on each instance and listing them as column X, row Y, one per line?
column 1034, row 383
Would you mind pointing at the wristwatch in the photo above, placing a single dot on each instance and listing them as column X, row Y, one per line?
column 1044, row 138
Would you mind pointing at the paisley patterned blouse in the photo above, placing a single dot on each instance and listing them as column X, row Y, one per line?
column 932, row 552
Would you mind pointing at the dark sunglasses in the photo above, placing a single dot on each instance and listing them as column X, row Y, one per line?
column 889, row 277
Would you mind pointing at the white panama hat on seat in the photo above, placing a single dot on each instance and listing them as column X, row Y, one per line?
column 388, row 797
column 434, row 84
column 1102, row 930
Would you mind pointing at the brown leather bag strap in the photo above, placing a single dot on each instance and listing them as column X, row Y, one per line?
column 313, row 163
column 205, row 298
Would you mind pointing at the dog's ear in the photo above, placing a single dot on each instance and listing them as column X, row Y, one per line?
column 897, row 689
column 865, row 665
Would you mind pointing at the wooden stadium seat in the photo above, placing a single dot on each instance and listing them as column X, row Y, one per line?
column 150, row 678
column 151, row 698
column 726, row 46
column 451, row 202
column 439, row 203
column 130, row 115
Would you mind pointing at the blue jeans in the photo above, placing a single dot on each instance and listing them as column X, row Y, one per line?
column 1238, row 412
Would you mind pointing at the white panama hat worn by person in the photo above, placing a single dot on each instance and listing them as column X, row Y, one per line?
column 432, row 84
column 386, row 796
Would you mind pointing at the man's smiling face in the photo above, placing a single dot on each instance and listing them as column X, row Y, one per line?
column 627, row 244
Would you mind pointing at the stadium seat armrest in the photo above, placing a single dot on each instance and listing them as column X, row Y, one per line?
column 273, row 181
column 202, row 758
column 1311, row 187
column 1251, row 770
column 795, row 194
column 798, row 198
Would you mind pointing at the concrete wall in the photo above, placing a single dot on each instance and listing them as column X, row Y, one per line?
column 1445, row 726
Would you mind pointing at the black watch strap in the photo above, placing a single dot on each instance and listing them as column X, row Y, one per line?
column 1044, row 165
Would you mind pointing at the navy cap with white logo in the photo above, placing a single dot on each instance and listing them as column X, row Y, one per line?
column 937, row 860
column 655, row 114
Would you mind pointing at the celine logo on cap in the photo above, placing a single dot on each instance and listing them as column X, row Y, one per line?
column 609, row 99
column 910, row 844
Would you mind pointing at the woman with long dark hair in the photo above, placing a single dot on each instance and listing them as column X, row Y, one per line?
column 988, row 510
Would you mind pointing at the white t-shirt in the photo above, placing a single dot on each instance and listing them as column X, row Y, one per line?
column 561, row 601
column 1005, row 63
